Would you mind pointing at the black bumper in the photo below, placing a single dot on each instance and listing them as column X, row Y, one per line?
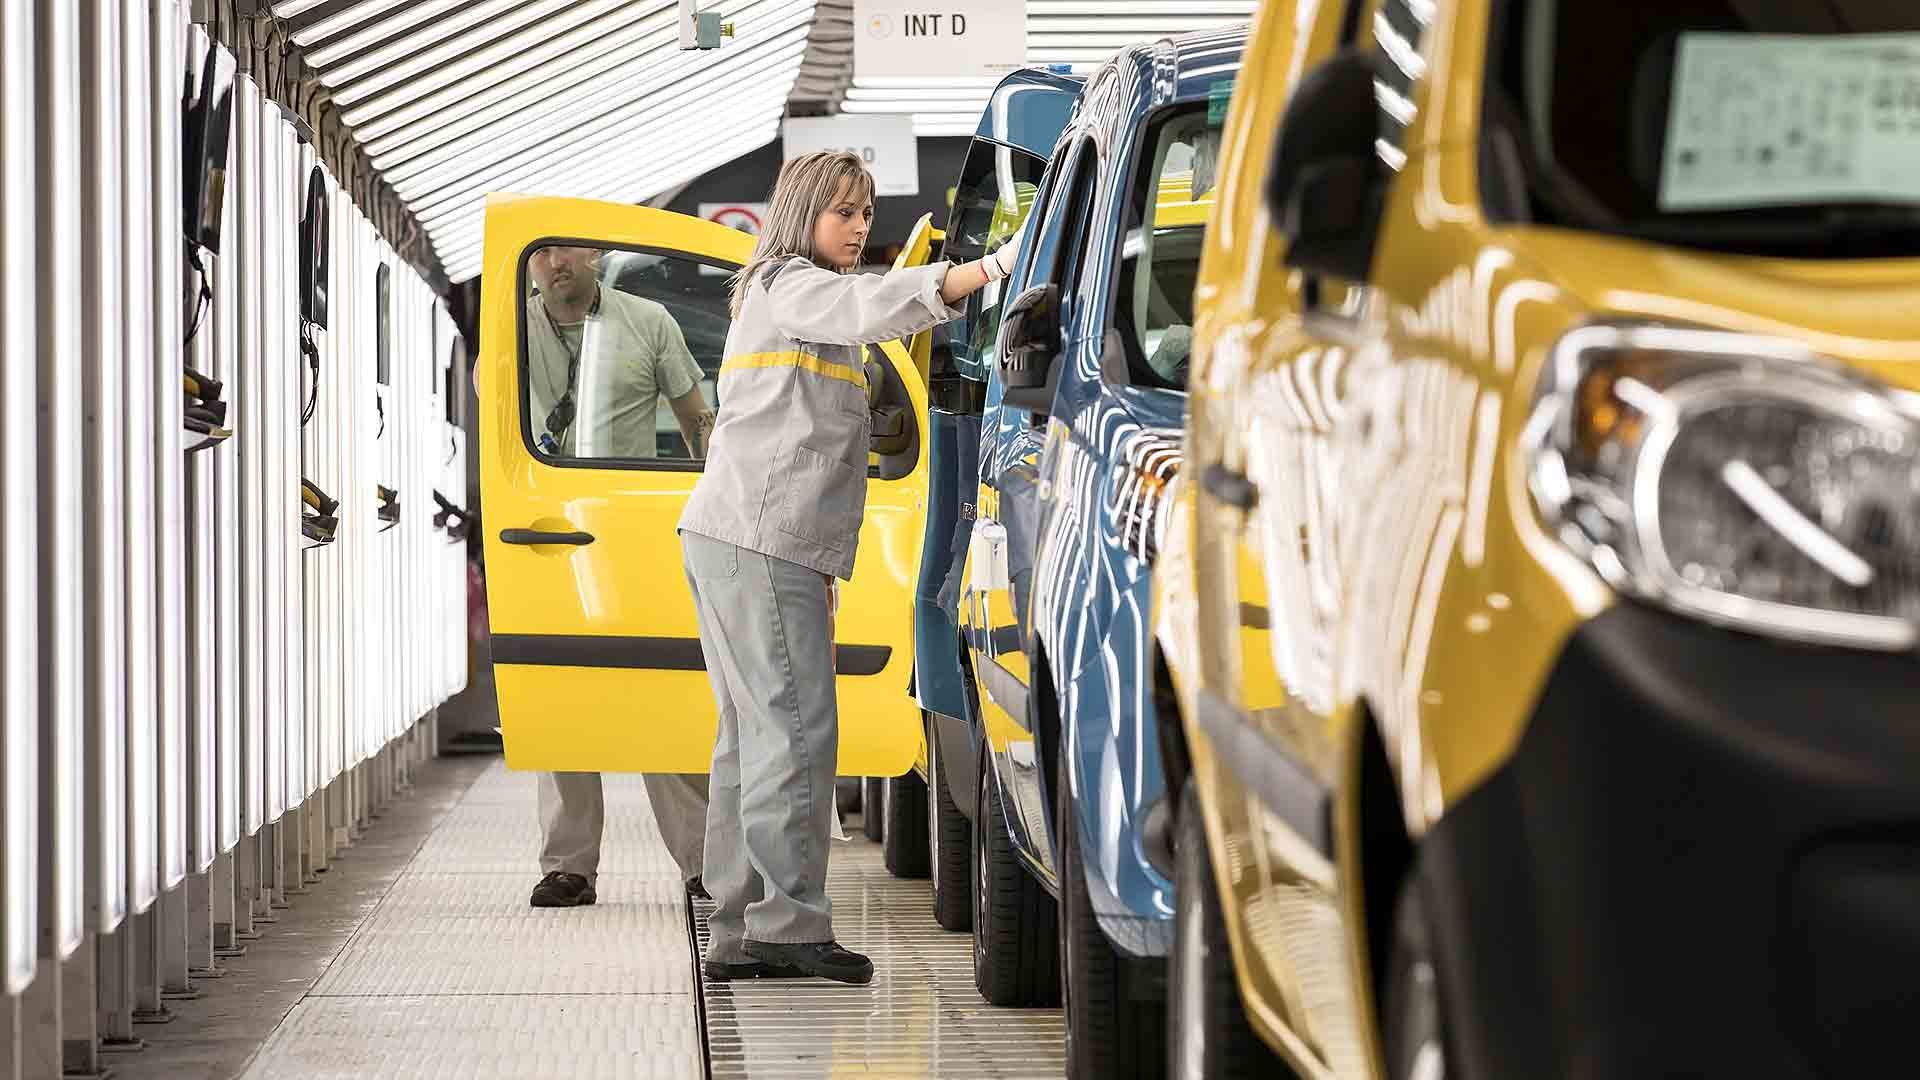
column 1703, row 860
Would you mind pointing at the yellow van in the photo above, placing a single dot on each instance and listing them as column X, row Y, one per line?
column 1542, row 607
column 586, row 460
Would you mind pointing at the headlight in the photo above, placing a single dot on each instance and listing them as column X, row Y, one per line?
column 1735, row 478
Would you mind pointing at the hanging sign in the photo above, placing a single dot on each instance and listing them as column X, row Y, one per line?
column 920, row 39
column 884, row 142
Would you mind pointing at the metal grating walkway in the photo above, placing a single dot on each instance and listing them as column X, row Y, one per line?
column 920, row 1017
column 453, row 975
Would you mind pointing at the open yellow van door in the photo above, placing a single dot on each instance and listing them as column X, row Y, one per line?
column 602, row 331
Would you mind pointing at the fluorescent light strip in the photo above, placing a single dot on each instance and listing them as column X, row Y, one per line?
column 463, row 258
column 341, row 62
column 606, row 133
column 399, row 134
column 342, row 22
column 443, row 66
column 453, row 234
column 552, row 175
column 627, row 97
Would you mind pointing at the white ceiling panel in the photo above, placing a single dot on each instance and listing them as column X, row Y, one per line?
column 452, row 99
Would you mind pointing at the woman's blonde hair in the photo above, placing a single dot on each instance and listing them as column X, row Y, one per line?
column 805, row 189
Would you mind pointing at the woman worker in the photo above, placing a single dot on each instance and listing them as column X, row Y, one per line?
column 774, row 519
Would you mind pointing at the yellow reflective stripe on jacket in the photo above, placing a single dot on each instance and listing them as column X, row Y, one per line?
column 804, row 361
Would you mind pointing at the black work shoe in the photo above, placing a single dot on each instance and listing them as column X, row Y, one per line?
column 698, row 889
column 823, row 958
column 561, row 889
column 718, row 971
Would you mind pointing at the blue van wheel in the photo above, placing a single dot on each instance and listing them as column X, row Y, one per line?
column 1112, row 1033
column 1015, row 922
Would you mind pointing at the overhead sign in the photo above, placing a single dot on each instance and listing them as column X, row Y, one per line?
column 745, row 216
column 922, row 39
column 885, row 143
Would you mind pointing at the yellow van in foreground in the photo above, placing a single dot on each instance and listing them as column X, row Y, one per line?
column 603, row 327
column 1542, row 610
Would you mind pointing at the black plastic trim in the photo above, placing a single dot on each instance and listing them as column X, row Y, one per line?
column 1269, row 770
column 649, row 653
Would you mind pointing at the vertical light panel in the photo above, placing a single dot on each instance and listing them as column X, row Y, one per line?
column 203, row 616
column 169, row 488
column 254, row 429
column 62, row 536
column 19, row 503
column 227, row 584
column 272, row 366
column 102, row 252
column 141, row 536
column 290, row 402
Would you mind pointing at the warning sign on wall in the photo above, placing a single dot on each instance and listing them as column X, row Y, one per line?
column 744, row 216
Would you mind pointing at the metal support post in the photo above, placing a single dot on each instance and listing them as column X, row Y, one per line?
column 79, row 1020
column 41, row 1050
column 317, row 835
column 246, row 886
column 276, row 868
column 10, row 1037
column 222, row 889
column 173, row 929
column 293, row 855
column 114, row 966
column 261, row 859
column 148, row 1008
column 200, row 933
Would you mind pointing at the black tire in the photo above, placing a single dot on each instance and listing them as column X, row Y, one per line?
column 903, row 838
column 1111, row 1033
column 1412, row 1031
column 873, row 797
column 846, row 794
column 1208, row 1035
column 1016, row 957
column 950, row 839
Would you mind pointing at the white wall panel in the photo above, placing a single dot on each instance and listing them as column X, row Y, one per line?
column 19, row 505
column 271, row 367
column 169, row 488
column 62, row 537
column 228, row 583
column 104, row 358
column 142, row 534
column 252, row 435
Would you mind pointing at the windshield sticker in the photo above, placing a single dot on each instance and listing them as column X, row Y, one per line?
column 1783, row 119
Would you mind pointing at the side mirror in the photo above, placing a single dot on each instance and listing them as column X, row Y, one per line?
column 1326, row 184
column 1030, row 343
column 315, row 244
column 205, row 130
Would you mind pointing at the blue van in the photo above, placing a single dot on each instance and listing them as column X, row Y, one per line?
column 1081, row 424
column 992, row 197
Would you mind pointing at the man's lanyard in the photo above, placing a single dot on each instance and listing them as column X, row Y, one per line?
column 573, row 354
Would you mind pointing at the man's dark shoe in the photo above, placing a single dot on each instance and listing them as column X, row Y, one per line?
column 825, row 959
column 561, row 889
column 716, row 971
column 698, row 889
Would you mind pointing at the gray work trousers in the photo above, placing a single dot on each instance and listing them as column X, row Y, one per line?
column 573, row 808
column 768, row 645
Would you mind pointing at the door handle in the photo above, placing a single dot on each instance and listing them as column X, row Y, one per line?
column 541, row 536
column 1230, row 487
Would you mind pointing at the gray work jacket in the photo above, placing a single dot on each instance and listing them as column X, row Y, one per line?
column 786, row 468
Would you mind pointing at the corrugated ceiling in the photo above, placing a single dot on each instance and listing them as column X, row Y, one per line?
column 594, row 98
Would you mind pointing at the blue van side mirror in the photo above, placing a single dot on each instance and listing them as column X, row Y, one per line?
column 1030, row 346
column 1325, row 184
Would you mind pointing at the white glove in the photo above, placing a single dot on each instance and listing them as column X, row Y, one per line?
column 1000, row 263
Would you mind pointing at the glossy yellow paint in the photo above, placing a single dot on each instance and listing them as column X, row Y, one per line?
column 628, row 583
column 1435, row 610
